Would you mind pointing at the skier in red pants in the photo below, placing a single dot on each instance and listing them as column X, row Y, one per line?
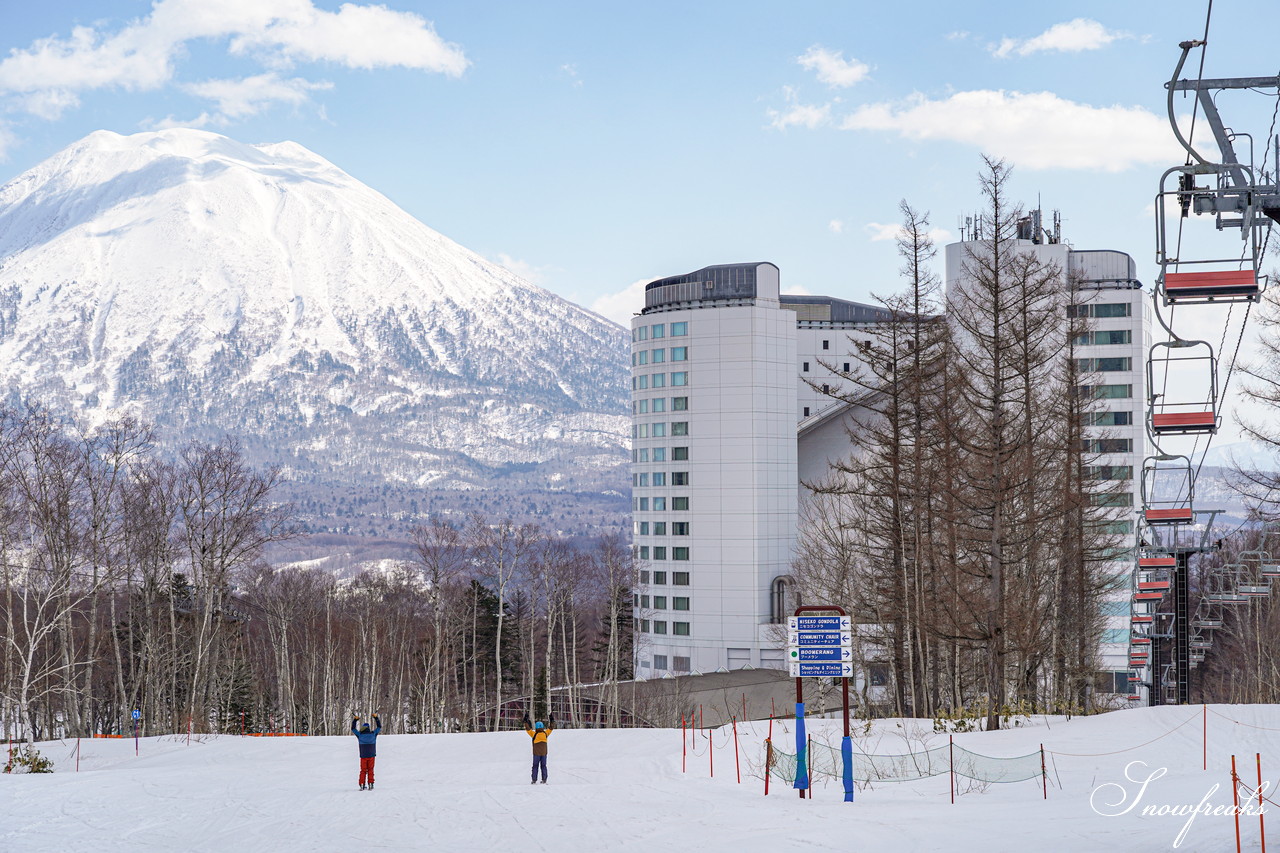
column 368, row 749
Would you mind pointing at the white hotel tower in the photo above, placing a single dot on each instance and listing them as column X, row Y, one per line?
column 726, row 427
column 719, row 402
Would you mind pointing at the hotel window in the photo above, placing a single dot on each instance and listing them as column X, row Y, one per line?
column 659, row 661
column 659, row 404
column 660, row 578
column 1108, row 445
column 680, row 554
column 680, row 428
column 806, row 411
column 1105, row 392
column 644, row 629
column 659, row 602
column 642, row 430
column 679, row 478
column 680, row 578
column 680, row 602
column 1105, row 309
column 678, row 329
column 660, row 553
column 846, row 367
column 680, row 664
column 642, row 528
column 659, row 379
column 657, row 331
column 644, row 601
column 644, row 555
column 642, row 382
column 679, row 353
column 659, row 430
column 659, row 627
column 679, row 528
column 659, row 454
column 1108, row 418
column 644, row 575
column 826, row 344
column 680, row 379
column 642, row 357
column 643, row 481
column 643, row 504
column 659, row 478
column 659, row 504
column 643, row 333
column 678, row 454
column 826, row 389
column 642, row 407
column 659, row 356
column 679, row 404
column 680, row 629
column 1110, row 336
column 1104, row 365
column 1108, row 472
column 659, row 528
column 804, row 367
column 642, row 455
column 680, row 504
column 1115, row 499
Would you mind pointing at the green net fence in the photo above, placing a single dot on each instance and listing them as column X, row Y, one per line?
column 825, row 761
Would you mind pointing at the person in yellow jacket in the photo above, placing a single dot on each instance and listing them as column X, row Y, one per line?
column 539, row 733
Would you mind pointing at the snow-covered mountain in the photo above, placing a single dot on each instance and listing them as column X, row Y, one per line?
column 214, row 287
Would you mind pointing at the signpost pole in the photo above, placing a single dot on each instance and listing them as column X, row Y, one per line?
column 737, row 764
column 821, row 647
column 136, row 716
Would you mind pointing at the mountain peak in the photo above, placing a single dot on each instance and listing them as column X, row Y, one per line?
column 261, row 289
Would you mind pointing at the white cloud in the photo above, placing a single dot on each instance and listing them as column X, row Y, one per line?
column 571, row 71
column 878, row 231
column 957, row 35
column 354, row 36
column 1035, row 130
column 835, row 226
column 142, row 55
column 832, row 68
column 1068, row 37
column 619, row 306
column 6, row 140
column 527, row 271
column 251, row 95
column 796, row 290
column 797, row 114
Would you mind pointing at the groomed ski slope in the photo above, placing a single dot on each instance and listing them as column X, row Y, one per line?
column 624, row 790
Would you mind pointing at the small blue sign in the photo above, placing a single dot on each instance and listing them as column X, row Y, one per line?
column 822, row 638
column 820, row 623
column 137, row 715
column 822, row 670
column 824, row 653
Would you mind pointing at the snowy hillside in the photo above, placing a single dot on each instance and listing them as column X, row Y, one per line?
column 624, row 790
column 213, row 287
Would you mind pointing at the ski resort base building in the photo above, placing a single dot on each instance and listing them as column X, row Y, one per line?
column 726, row 426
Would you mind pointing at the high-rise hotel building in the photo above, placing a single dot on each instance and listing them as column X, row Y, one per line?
column 719, row 404
column 727, row 424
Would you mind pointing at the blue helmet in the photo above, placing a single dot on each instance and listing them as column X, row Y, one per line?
column 364, row 727
column 538, row 725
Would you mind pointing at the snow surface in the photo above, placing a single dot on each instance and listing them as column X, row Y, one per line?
column 624, row 790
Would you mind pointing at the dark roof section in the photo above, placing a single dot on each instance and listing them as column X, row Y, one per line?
column 828, row 309
column 720, row 275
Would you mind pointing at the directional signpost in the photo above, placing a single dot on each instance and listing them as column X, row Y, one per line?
column 821, row 647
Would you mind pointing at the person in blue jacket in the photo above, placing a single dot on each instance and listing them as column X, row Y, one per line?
column 368, row 748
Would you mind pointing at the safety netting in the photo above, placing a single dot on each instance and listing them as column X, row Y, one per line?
column 824, row 760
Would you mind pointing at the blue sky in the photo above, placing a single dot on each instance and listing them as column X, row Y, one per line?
column 592, row 146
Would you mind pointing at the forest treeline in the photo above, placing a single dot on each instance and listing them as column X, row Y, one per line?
column 975, row 529
column 972, row 526
column 131, row 579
